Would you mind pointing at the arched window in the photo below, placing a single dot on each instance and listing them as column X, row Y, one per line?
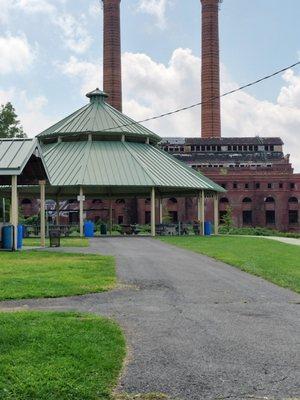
column 148, row 201
column 172, row 201
column 26, row 201
column 247, row 200
column 97, row 201
column 270, row 200
column 224, row 200
column 293, row 200
column 120, row 201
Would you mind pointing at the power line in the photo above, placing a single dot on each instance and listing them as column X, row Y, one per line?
column 209, row 100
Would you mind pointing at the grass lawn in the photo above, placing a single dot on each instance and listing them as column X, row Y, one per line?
column 32, row 274
column 64, row 242
column 277, row 262
column 59, row 356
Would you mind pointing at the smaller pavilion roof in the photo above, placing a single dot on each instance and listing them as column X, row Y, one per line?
column 22, row 158
column 100, row 118
column 14, row 155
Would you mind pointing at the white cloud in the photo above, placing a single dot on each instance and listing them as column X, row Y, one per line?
column 30, row 110
column 157, row 8
column 86, row 72
column 73, row 30
column 33, row 6
column 152, row 88
column 95, row 9
column 76, row 36
column 16, row 54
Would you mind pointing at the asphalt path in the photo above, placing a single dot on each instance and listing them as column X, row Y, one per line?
column 196, row 328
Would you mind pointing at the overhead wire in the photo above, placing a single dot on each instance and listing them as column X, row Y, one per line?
column 253, row 83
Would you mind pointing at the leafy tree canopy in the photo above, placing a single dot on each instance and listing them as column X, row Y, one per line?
column 9, row 124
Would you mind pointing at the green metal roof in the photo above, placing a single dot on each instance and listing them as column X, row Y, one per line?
column 119, row 164
column 98, row 117
column 14, row 155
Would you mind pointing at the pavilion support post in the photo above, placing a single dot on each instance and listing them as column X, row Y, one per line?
column 202, row 211
column 199, row 212
column 110, row 217
column 4, row 209
column 81, row 199
column 42, row 212
column 216, row 214
column 160, row 210
column 153, row 219
column 14, row 210
column 57, row 212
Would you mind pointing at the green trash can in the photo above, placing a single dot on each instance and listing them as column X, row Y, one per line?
column 103, row 229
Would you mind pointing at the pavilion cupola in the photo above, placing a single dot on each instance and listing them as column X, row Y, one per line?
column 97, row 96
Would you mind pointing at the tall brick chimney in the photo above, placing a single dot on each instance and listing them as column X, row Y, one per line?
column 112, row 69
column 211, row 110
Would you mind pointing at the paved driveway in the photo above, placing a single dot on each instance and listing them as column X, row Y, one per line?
column 196, row 328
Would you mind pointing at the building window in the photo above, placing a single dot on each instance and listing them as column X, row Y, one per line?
column 120, row 201
column 257, row 185
column 280, row 185
column 293, row 216
column 246, row 185
column 97, row 201
column 172, row 201
column 270, row 200
column 26, row 201
column 292, row 186
column 120, row 219
column 269, row 185
column 247, row 217
column 293, row 200
column 223, row 185
column 224, row 200
column 147, row 217
column 173, row 216
column 235, row 185
column 270, row 217
column 247, row 200
column 148, row 201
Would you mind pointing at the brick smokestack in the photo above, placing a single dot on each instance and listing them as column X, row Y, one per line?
column 112, row 69
column 211, row 110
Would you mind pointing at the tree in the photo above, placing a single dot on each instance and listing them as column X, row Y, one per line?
column 227, row 218
column 9, row 124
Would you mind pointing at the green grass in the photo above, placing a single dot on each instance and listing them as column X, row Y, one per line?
column 59, row 356
column 277, row 262
column 65, row 242
column 31, row 274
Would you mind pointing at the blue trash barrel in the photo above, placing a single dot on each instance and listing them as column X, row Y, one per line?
column 7, row 237
column 20, row 237
column 89, row 229
column 207, row 228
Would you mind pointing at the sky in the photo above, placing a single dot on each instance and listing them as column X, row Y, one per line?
column 51, row 56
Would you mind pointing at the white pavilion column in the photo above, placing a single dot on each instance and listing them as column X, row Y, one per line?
column 42, row 212
column 216, row 213
column 110, row 217
column 153, row 212
column 81, row 200
column 14, row 209
column 202, row 219
column 57, row 211
column 160, row 210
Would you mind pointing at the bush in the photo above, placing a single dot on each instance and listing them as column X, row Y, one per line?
column 251, row 231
